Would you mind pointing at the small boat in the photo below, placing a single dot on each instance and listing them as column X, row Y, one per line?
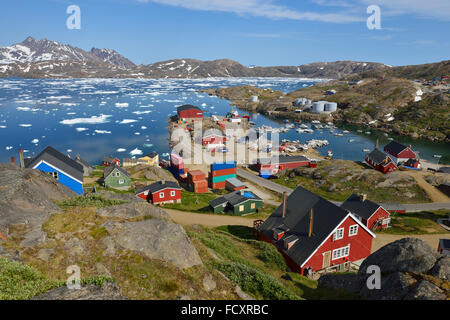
column 351, row 140
column 359, row 131
column 329, row 153
column 366, row 150
column 437, row 155
column 345, row 131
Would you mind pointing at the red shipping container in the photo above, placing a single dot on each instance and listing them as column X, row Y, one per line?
column 218, row 185
column 223, row 172
column 201, row 186
column 196, row 175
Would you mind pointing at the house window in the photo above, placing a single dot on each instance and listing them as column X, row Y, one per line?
column 172, row 193
column 341, row 252
column 121, row 181
column 241, row 208
column 54, row 174
column 353, row 231
column 253, row 206
column 161, row 195
column 117, row 174
column 339, row 234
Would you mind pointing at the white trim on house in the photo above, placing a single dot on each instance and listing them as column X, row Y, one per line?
column 334, row 230
column 342, row 234
column 340, row 252
column 52, row 166
column 354, row 233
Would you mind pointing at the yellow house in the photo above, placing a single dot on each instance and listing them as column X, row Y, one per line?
column 151, row 159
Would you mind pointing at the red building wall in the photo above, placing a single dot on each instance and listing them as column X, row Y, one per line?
column 190, row 113
column 360, row 247
column 379, row 214
column 154, row 197
column 405, row 154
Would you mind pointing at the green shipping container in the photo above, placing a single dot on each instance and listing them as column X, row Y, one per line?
column 223, row 178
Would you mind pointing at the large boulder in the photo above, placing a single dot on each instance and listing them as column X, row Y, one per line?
column 156, row 239
column 107, row 291
column 405, row 255
column 28, row 197
column 410, row 269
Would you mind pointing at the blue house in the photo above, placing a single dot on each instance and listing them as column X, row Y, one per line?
column 64, row 169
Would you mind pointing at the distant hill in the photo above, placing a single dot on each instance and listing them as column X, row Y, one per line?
column 50, row 59
column 423, row 71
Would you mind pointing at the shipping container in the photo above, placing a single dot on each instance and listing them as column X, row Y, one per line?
column 223, row 165
column 219, row 185
column 200, row 186
column 196, row 175
column 222, row 178
column 224, row 172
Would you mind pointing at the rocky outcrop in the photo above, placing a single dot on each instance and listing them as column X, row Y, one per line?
column 410, row 270
column 156, row 239
column 132, row 210
column 27, row 198
column 107, row 291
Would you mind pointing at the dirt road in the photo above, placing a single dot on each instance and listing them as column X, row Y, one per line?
column 432, row 239
column 209, row 220
column 434, row 194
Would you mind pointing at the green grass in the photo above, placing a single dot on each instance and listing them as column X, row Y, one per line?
column 89, row 201
column 19, row 281
column 416, row 223
column 193, row 202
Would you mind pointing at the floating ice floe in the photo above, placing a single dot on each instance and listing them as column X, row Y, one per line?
column 143, row 127
column 81, row 129
column 126, row 121
column 136, row 152
column 3, row 127
column 121, row 105
column 137, row 133
column 69, row 150
column 102, row 132
column 9, row 147
column 35, row 141
column 142, row 112
column 103, row 118
column 25, row 125
column 121, row 150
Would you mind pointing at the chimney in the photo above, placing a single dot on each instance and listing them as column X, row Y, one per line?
column 163, row 181
column 13, row 160
column 363, row 197
column 22, row 163
column 311, row 222
column 284, row 204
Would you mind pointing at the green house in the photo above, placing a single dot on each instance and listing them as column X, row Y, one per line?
column 240, row 202
column 116, row 177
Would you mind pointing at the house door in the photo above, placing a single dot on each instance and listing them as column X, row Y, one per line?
column 326, row 259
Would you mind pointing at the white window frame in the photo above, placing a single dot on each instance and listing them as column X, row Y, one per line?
column 335, row 235
column 161, row 195
column 172, row 193
column 340, row 253
column 353, row 233
column 54, row 174
column 241, row 208
column 121, row 181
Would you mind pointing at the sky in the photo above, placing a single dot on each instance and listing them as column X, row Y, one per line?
column 252, row 32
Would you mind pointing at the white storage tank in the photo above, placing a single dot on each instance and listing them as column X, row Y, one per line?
column 318, row 107
column 330, row 107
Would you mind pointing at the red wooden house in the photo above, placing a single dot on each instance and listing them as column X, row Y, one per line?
column 313, row 233
column 380, row 161
column 161, row 192
column 399, row 152
column 370, row 213
column 213, row 139
column 188, row 111
column 108, row 160
column 273, row 165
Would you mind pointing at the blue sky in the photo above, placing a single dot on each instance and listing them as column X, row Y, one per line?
column 260, row 32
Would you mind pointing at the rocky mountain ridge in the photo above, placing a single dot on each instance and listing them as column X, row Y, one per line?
column 50, row 59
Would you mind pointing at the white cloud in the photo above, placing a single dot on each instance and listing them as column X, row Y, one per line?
column 439, row 9
column 261, row 8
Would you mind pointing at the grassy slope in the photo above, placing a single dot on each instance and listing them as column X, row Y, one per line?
column 345, row 186
column 416, row 223
column 257, row 267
